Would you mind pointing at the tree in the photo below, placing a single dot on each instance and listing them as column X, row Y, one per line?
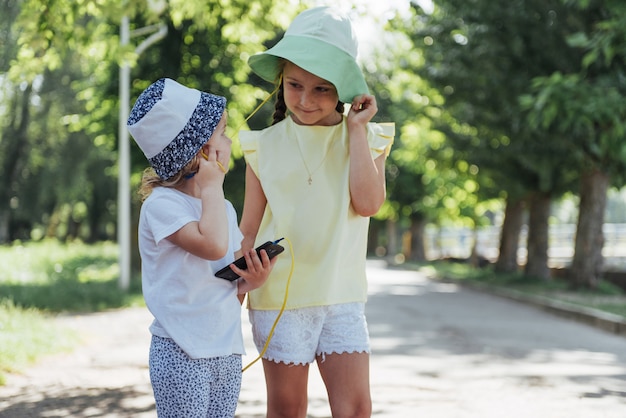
column 61, row 64
column 14, row 116
column 588, row 105
column 426, row 182
column 481, row 57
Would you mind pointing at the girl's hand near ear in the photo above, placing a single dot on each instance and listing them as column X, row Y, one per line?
column 362, row 110
column 209, row 171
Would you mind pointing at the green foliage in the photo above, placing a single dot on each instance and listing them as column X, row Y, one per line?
column 427, row 181
column 55, row 277
column 451, row 80
column 25, row 335
column 588, row 104
column 480, row 66
column 60, row 98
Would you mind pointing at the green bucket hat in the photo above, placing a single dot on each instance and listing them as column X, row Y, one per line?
column 321, row 41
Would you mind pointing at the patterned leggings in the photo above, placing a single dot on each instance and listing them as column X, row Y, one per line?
column 193, row 388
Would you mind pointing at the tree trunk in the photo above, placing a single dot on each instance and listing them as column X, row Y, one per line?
column 13, row 149
column 539, row 214
column 418, row 249
column 5, row 217
column 509, row 237
column 94, row 215
column 476, row 258
column 372, row 237
column 392, row 239
column 587, row 261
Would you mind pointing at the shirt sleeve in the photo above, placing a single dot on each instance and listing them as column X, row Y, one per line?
column 166, row 214
column 380, row 137
column 248, row 140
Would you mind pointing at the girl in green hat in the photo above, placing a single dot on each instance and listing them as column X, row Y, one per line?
column 315, row 177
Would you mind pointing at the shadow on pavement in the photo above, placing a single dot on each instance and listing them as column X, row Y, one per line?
column 78, row 403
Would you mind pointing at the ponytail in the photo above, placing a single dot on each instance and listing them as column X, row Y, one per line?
column 280, row 108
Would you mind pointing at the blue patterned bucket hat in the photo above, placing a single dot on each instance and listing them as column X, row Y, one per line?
column 321, row 41
column 171, row 123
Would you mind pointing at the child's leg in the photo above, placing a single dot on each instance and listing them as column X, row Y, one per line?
column 286, row 361
column 178, row 388
column 346, row 377
column 343, row 360
column 226, row 372
column 286, row 389
column 190, row 388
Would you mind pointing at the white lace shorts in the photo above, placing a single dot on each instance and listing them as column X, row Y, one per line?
column 302, row 334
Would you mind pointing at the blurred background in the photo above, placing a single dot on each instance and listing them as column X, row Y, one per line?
column 510, row 124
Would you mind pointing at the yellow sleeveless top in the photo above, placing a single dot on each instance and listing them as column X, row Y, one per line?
column 304, row 172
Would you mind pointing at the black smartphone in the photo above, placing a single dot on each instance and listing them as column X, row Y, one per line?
column 272, row 249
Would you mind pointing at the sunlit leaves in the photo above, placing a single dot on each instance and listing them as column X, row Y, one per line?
column 591, row 112
column 69, row 51
column 49, row 29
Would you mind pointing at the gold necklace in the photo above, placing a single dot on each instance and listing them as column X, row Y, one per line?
column 306, row 166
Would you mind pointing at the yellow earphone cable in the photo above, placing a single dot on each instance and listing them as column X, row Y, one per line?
column 280, row 313
column 282, row 309
column 280, row 80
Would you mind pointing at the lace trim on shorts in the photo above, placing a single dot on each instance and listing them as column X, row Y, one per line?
column 303, row 334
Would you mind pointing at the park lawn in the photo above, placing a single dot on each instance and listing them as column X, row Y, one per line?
column 26, row 335
column 40, row 280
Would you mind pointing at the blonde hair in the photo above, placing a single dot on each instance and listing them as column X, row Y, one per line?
column 150, row 179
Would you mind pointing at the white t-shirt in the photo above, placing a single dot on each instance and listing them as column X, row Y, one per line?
column 199, row 311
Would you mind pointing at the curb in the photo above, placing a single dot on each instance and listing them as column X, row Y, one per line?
column 615, row 324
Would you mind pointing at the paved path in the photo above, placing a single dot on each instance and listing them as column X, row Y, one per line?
column 439, row 351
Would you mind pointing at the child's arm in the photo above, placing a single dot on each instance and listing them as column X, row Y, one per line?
column 256, row 273
column 367, row 175
column 253, row 209
column 207, row 238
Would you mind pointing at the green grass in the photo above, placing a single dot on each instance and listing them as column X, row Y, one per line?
column 26, row 335
column 39, row 280
column 607, row 297
column 55, row 277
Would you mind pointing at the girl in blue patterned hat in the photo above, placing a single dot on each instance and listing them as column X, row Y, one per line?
column 187, row 232
column 315, row 176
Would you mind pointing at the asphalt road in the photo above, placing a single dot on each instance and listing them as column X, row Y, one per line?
column 439, row 351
